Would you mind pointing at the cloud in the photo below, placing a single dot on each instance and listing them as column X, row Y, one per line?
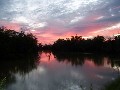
column 37, row 25
column 51, row 19
column 109, row 19
column 113, row 27
column 20, row 19
column 76, row 19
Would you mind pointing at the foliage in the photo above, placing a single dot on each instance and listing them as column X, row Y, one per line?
column 17, row 42
column 97, row 44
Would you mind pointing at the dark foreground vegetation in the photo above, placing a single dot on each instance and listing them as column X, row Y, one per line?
column 12, row 42
column 98, row 44
column 115, row 85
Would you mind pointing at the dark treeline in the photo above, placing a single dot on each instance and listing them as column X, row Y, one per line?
column 17, row 42
column 76, row 43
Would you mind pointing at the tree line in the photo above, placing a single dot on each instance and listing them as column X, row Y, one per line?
column 14, row 42
column 20, row 42
column 98, row 44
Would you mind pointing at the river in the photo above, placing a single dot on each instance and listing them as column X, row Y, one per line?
column 60, row 71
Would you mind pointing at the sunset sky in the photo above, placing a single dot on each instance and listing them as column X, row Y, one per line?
column 53, row 19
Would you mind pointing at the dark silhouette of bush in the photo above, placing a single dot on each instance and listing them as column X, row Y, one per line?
column 47, row 47
column 17, row 42
column 76, row 43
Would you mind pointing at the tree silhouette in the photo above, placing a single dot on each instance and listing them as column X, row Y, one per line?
column 17, row 42
column 78, row 44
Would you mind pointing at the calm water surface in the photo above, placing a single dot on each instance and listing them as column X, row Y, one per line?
column 61, row 71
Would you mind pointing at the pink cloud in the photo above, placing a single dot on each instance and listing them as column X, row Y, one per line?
column 52, row 33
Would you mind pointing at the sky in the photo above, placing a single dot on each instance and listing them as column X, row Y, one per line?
column 50, row 20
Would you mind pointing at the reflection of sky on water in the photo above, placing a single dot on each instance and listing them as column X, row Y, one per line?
column 54, row 75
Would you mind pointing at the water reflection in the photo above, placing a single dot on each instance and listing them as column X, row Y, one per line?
column 79, row 59
column 12, row 64
column 99, row 60
column 60, row 71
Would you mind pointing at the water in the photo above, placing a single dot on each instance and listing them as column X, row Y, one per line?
column 60, row 71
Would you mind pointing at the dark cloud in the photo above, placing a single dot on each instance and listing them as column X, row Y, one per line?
column 110, row 19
